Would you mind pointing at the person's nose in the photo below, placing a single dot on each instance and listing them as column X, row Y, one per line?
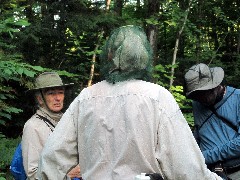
column 58, row 96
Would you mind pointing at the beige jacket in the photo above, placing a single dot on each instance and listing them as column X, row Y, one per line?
column 119, row 131
column 35, row 134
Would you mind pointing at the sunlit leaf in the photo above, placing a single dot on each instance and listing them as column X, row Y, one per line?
column 28, row 73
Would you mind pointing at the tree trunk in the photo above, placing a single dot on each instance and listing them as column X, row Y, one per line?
column 238, row 30
column 94, row 58
column 238, row 42
column 118, row 6
column 138, row 4
column 92, row 66
column 152, row 31
column 108, row 2
column 179, row 33
column 152, row 37
column 29, row 11
column 199, row 26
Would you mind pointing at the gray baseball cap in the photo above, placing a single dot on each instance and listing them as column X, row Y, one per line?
column 202, row 77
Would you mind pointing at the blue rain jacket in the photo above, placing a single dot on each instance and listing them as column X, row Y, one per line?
column 217, row 140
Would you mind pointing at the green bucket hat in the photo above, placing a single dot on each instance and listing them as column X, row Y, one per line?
column 202, row 77
column 126, row 55
column 49, row 80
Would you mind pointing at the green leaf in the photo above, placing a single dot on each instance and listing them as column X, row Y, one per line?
column 152, row 21
column 22, row 22
column 2, row 96
column 28, row 73
column 7, row 71
column 38, row 68
column 19, row 70
column 2, row 114
column 13, row 110
column 171, row 23
column 2, row 122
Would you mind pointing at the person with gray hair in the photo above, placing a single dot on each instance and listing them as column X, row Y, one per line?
column 216, row 110
column 124, row 125
column 49, row 92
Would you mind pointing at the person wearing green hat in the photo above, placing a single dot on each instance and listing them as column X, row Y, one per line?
column 49, row 93
column 216, row 110
column 124, row 125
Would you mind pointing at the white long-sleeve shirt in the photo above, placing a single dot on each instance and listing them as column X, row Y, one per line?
column 117, row 131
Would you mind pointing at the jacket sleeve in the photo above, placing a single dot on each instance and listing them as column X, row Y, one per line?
column 196, row 127
column 230, row 150
column 196, row 135
column 59, row 154
column 34, row 136
column 178, row 153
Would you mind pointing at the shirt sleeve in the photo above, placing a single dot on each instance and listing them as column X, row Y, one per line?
column 178, row 153
column 33, row 139
column 227, row 151
column 60, row 150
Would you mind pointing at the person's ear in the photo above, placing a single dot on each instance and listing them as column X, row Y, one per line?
column 40, row 100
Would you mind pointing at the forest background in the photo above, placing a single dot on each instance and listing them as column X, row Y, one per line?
column 66, row 36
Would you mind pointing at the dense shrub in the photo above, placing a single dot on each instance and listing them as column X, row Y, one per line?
column 7, row 148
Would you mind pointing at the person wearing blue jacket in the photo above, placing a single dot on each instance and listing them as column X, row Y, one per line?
column 216, row 110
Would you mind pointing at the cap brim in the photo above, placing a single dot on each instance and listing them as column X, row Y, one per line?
column 36, row 89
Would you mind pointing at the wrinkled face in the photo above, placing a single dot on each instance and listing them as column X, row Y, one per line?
column 54, row 98
column 208, row 97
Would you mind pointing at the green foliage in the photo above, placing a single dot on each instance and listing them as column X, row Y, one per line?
column 190, row 119
column 161, row 75
column 12, row 20
column 11, row 69
column 7, row 149
column 177, row 92
column 77, row 49
column 183, row 102
column 9, row 25
column 14, row 74
column 68, row 43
